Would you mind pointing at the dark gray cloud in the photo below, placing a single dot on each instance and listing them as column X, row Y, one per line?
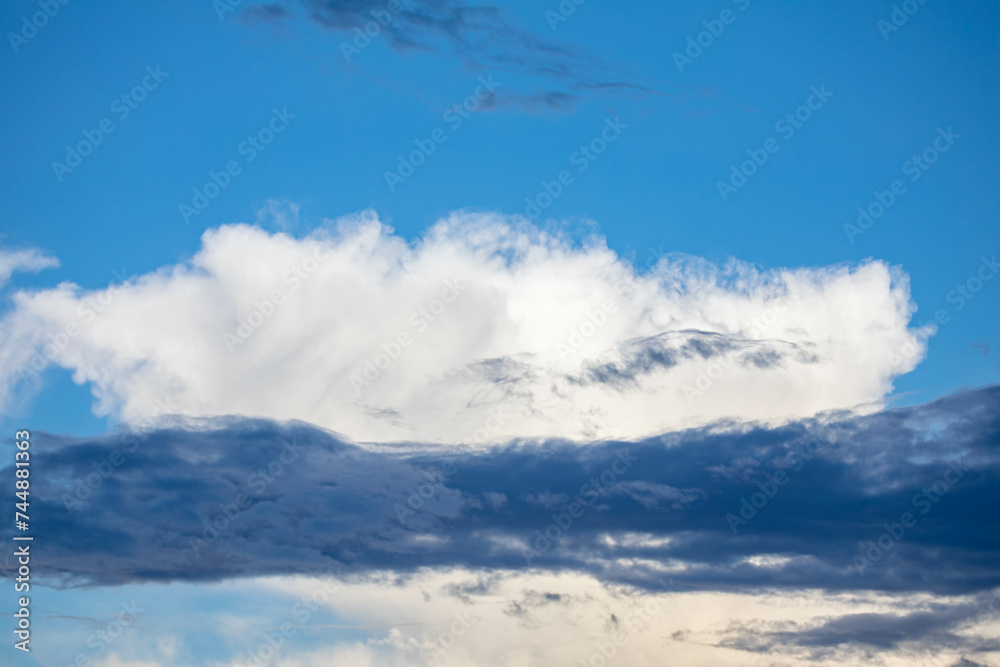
column 267, row 12
column 303, row 500
column 869, row 634
column 480, row 36
column 645, row 356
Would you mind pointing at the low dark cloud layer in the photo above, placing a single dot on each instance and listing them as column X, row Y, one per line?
column 302, row 500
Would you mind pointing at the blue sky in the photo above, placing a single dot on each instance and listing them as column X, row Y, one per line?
column 643, row 268
column 653, row 191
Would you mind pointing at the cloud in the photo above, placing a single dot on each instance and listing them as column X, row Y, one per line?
column 239, row 498
column 480, row 36
column 568, row 619
column 31, row 259
column 932, row 627
column 487, row 328
column 21, row 336
column 460, row 618
column 280, row 214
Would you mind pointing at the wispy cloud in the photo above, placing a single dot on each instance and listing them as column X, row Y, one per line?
column 480, row 36
column 30, row 259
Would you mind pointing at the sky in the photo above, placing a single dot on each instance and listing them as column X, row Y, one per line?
column 487, row 248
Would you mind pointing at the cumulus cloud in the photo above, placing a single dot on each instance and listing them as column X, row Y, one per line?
column 484, row 329
column 239, row 498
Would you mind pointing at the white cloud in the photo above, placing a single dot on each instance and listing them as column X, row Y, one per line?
column 281, row 214
column 23, row 260
column 516, row 618
column 486, row 328
column 459, row 618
